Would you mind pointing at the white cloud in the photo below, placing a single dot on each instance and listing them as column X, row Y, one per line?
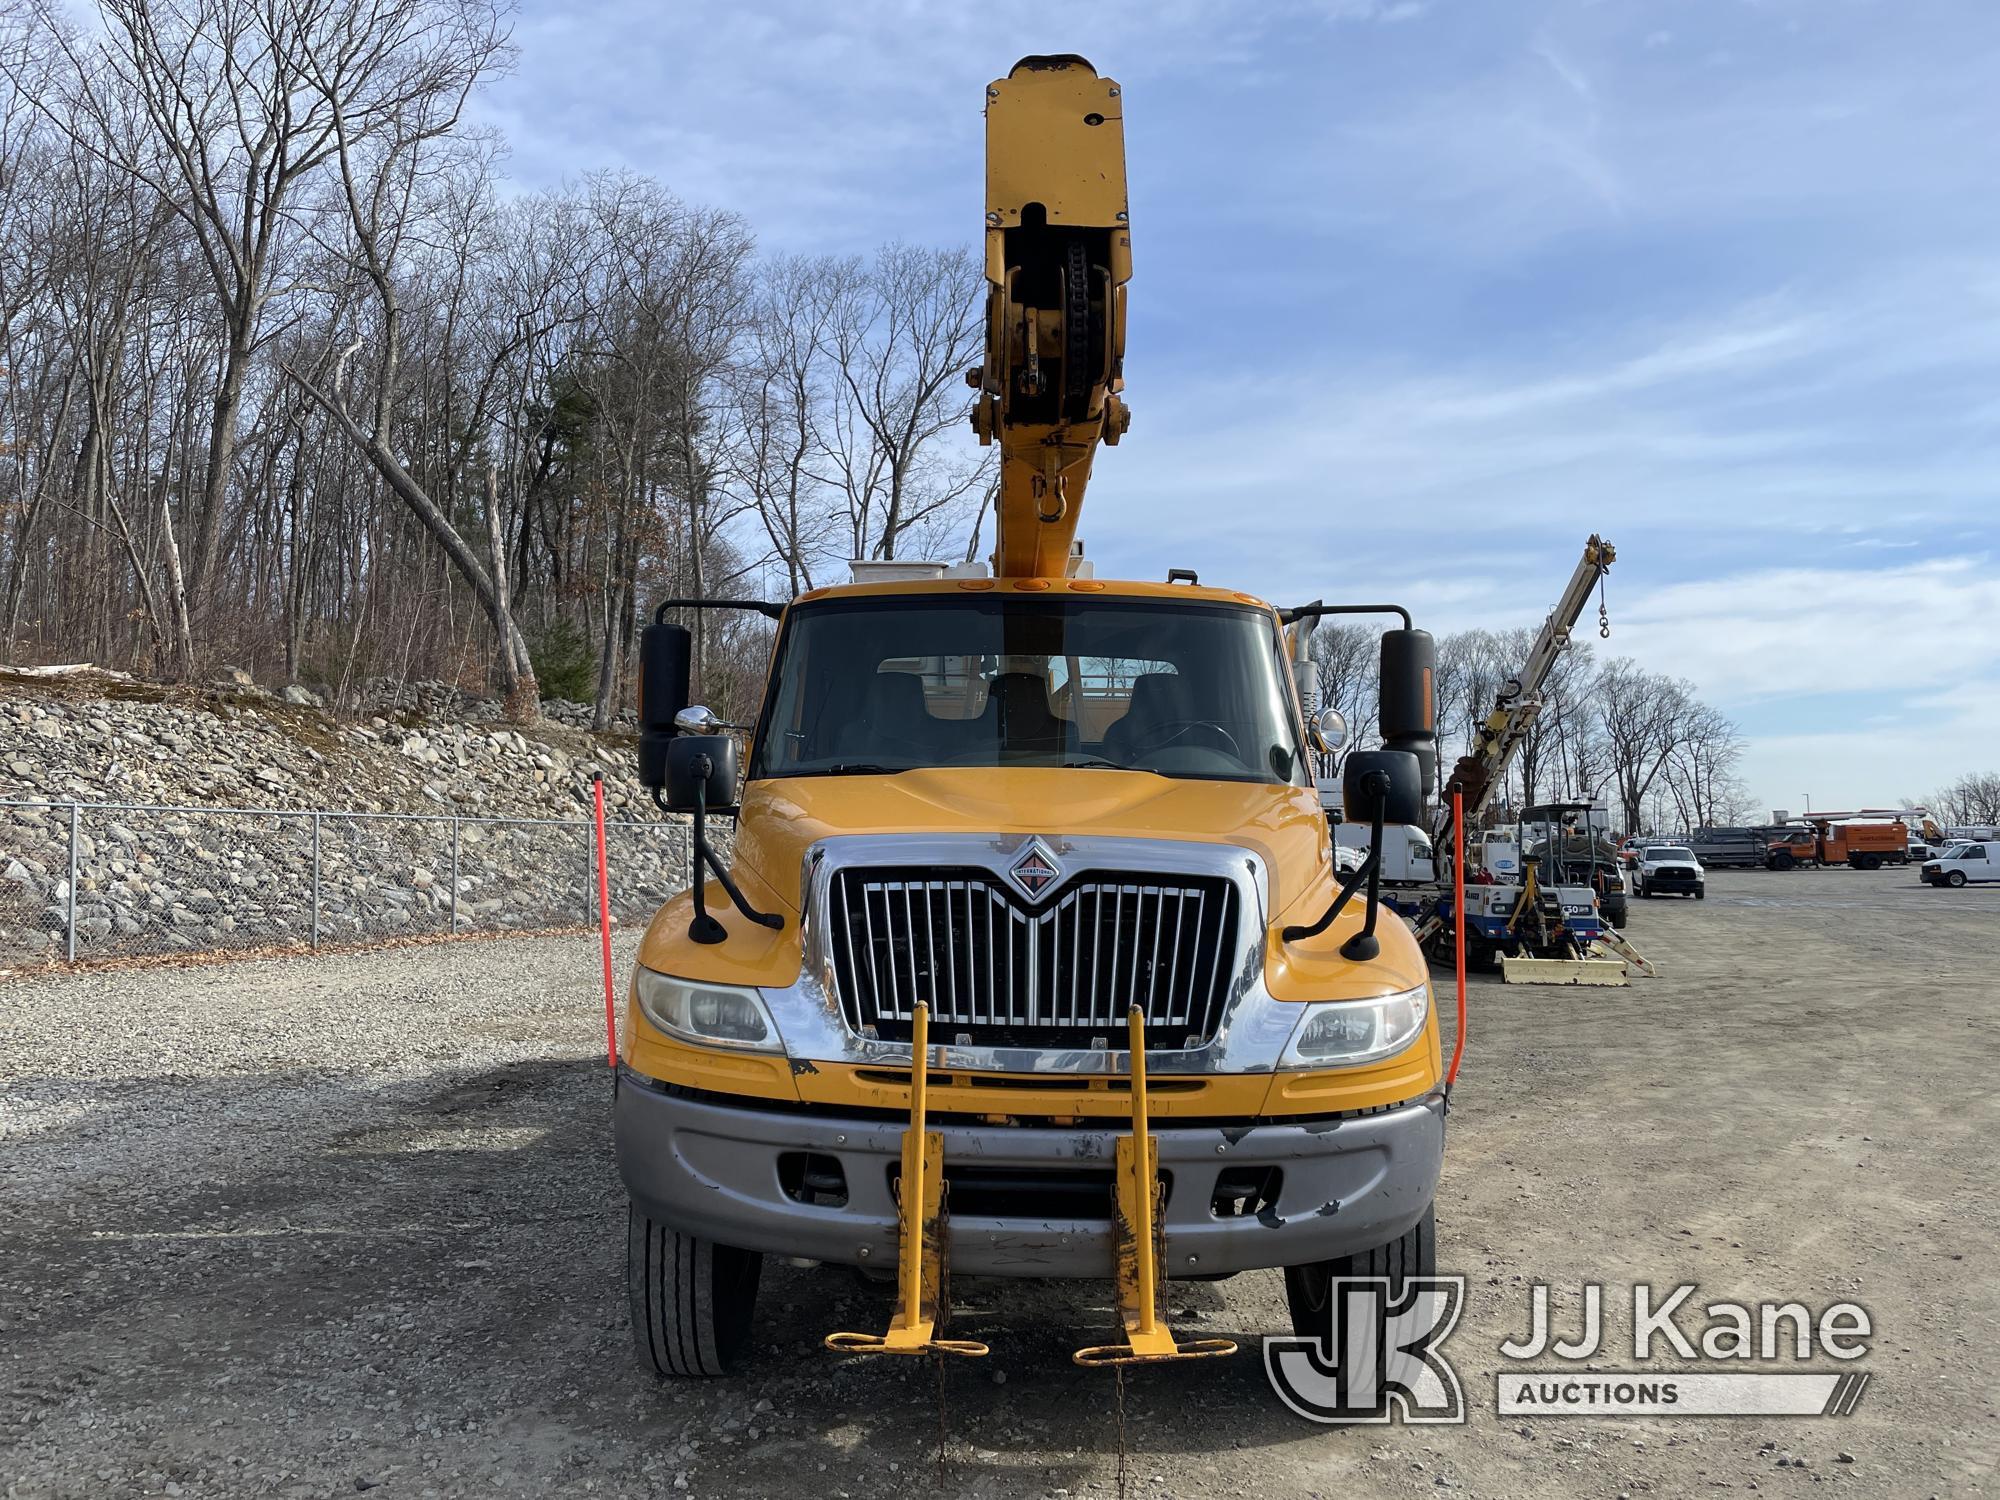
column 1789, row 632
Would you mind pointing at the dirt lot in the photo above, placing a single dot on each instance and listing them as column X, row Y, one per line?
column 313, row 1228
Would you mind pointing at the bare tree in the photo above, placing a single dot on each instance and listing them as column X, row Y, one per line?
column 903, row 335
column 780, row 398
column 1645, row 718
column 385, row 132
column 245, row 99
column 1972, row 801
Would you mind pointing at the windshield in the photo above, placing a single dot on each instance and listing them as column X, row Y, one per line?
column 1187, row 690
column 1663, row 851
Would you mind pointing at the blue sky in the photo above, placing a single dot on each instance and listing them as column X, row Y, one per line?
column 1427, row 290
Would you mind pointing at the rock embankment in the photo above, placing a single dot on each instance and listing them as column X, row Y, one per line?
column 212, row 839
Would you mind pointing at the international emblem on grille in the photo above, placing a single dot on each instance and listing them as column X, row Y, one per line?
column 1035, row 871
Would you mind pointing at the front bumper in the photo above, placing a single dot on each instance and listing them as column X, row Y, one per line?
column 710, row 1167
column 1673, row 880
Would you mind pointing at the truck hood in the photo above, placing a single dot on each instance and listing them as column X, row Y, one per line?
column 784, row 818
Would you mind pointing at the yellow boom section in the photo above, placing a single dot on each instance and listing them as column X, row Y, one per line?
column 1058, row 255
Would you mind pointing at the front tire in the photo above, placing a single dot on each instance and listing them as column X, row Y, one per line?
column 1955, row 879
column 691, row 1299
column 1701, row 893
column 1307, row 1287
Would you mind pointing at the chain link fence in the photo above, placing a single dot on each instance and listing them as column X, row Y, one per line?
column 81, row 881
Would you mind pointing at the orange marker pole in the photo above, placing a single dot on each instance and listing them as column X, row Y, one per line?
column 604, row 923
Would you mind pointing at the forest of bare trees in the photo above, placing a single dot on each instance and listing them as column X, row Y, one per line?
column 1972, row 801
column 1642, row 742
column 287, row 381
column 291, row 381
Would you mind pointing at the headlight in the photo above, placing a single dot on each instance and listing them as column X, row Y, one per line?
column 716, row 1015
column 1342, row 1033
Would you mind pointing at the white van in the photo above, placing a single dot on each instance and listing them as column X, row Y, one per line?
column 1965, row 864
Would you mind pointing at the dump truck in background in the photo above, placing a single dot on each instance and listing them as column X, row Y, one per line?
column 1031, row 958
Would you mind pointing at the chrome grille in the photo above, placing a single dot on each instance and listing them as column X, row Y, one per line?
column 1062, row 972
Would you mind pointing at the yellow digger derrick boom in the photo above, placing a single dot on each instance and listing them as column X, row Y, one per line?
column 1058, row 255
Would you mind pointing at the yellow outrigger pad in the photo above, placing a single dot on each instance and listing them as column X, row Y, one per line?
column 1604, row 971
column 923, row 1296
column 1141, row 1242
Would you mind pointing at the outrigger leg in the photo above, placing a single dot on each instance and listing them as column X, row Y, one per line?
column 923, row 1300
column 1141, row 1293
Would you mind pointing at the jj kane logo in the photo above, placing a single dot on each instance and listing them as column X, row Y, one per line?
column 1377, row 1360
column 1036, row 870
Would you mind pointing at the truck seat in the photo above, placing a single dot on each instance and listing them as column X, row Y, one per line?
column 1158, row 699
column 891, row 720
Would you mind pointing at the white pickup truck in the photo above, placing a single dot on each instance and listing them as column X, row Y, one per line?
column 1670, row 870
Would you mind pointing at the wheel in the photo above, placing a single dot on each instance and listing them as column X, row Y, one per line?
column 1870, row 861
column 1955, row 879
column 1701, row 893
column 1646, row 891
column 691, row 1298
column 1618, row 916
column 1307, row 1286
column 1782, row 860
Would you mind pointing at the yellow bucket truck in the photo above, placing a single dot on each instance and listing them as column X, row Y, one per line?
column 1029, row 957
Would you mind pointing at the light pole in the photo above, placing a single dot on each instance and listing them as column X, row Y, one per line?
column 1808, row 802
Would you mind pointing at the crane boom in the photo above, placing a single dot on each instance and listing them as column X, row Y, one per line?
column 1519, row 700
column 1058, row 255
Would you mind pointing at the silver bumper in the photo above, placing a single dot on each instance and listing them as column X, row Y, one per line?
column 711, row 1168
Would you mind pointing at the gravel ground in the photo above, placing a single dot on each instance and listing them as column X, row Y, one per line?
column 313, row 1227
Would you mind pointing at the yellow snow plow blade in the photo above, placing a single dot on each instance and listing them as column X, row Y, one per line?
column 1562, row 970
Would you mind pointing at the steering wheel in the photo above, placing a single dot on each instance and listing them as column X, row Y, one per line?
column 1169, row 731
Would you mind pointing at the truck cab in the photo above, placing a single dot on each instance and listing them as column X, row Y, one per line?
column 1028, row 807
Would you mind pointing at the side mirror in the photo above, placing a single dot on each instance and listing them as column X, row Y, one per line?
column 1382, row 783
column 664, row 654
column 700, row 768
column 1409, row 704
column 698, row 720
column 1330, row 725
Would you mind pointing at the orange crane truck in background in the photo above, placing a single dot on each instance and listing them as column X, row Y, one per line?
column 1866, row 846
column 1030, row 958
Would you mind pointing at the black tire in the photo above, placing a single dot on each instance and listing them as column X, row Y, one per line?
column 1618, row 916
column 1871, row 861
column 1701, row 893
column 1955, row 879
column 692, row 1299
column 1782, row 860
column 1307, row 1286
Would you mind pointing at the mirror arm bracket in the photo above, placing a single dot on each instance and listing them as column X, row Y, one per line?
column 1347, row 888
column 763, row 607
column 1316, row 610
column 704, row 928
column 1364, row 945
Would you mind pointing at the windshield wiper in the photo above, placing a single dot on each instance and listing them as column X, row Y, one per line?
column 1095, row 762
